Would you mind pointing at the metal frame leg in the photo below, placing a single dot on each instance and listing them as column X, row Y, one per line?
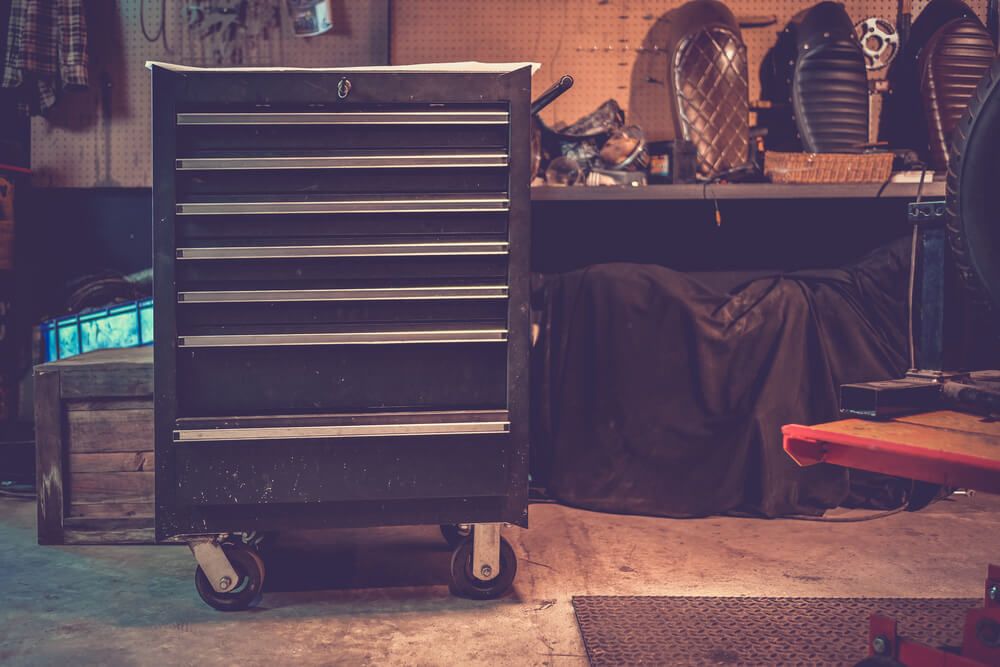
column 486, row 551
column 207, row 550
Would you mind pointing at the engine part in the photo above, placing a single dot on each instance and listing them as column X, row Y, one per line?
column 879, row 42
column 625, row 149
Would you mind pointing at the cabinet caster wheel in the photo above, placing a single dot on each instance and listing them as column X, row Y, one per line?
column 243, row 594
column 453, row 534
column 465, row 584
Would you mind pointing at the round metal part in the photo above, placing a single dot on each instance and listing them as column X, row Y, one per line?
column 880, row 645
column 464, row 582
column 879, row 42
column 988, row 632
column 625, row 149
column 242, row 594
column 344, row 88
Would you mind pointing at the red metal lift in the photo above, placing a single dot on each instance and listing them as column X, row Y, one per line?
column 943, row 447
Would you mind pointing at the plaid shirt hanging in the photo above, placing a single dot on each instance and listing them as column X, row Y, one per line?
column 46, row 51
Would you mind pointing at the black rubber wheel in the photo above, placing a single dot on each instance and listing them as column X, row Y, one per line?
column 465, row 584
column 973, row 223
column 247, row 592
column 454, row 534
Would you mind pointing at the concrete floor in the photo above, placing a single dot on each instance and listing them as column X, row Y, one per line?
column 380, row 597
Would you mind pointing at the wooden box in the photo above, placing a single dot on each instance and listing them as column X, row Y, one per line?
column 94, row 448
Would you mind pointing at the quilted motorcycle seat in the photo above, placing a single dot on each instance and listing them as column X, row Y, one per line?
column 709, row 86
column 830, row 82
column 951, row 65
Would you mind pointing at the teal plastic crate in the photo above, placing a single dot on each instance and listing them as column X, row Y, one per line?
column 123, row 325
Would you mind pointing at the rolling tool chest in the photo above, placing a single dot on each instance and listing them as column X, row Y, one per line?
column 342, row 321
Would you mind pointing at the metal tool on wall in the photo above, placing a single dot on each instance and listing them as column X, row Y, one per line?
column 880, row 45
column 310, row 17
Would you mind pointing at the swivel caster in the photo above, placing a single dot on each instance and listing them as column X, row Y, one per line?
column 229, row 576
column 485, row 571
column 453, row 534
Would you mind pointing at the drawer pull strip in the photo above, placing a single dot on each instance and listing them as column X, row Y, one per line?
column 466, row 205
column 360, row 294
column 346, row 338
column 348, row 118
column 346, row 431
column 494, row 159
column 327, row 251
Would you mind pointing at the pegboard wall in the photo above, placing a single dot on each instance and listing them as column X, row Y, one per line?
column 596, row 41
column 101, row 137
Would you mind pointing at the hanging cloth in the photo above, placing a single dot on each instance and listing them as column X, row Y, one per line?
column 46, row 51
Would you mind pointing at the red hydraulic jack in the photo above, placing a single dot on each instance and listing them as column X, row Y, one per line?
column 980, row 639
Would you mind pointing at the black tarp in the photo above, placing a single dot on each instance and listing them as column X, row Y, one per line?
column 656, row 394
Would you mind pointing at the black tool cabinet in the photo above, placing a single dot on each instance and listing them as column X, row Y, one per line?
column 342, row 322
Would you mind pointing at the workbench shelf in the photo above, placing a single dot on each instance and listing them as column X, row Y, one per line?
column 692, row 191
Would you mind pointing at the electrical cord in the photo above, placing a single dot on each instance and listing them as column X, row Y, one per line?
column 913, row 275
column 846, row 519
column 868, row 517
column 161, row 32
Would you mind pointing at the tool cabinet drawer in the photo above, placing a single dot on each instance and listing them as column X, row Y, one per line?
column 338, row 272
column 209, row 312
column 247, row 379
column 268, row 130
column 344, row 226
column 400, row 181
column 433, row 454
column 362, row 171
column 349, row 469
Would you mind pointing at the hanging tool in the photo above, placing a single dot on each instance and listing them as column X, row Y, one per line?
column 880, row 44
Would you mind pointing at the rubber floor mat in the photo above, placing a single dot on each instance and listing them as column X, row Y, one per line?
column 653, row 630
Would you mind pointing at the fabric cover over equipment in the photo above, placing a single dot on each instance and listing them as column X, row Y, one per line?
column 656, row 394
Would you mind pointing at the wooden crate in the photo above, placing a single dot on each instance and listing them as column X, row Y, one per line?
column 94, row 448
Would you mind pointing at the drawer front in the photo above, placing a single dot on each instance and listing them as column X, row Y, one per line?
column 351, row 469
column 194, row 183
column 283, row 308
column 269, row 380
column 341, row 272
column 275, row 133
column 192, row 228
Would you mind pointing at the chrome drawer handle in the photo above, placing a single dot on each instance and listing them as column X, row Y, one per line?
column 327, row 251
column 489, row 159
column 346, row 431
column 366, row 294
column 348, row 118
column 346, row 338
column 460, row 205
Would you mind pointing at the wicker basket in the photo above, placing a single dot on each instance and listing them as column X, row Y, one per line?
column 828, row 167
